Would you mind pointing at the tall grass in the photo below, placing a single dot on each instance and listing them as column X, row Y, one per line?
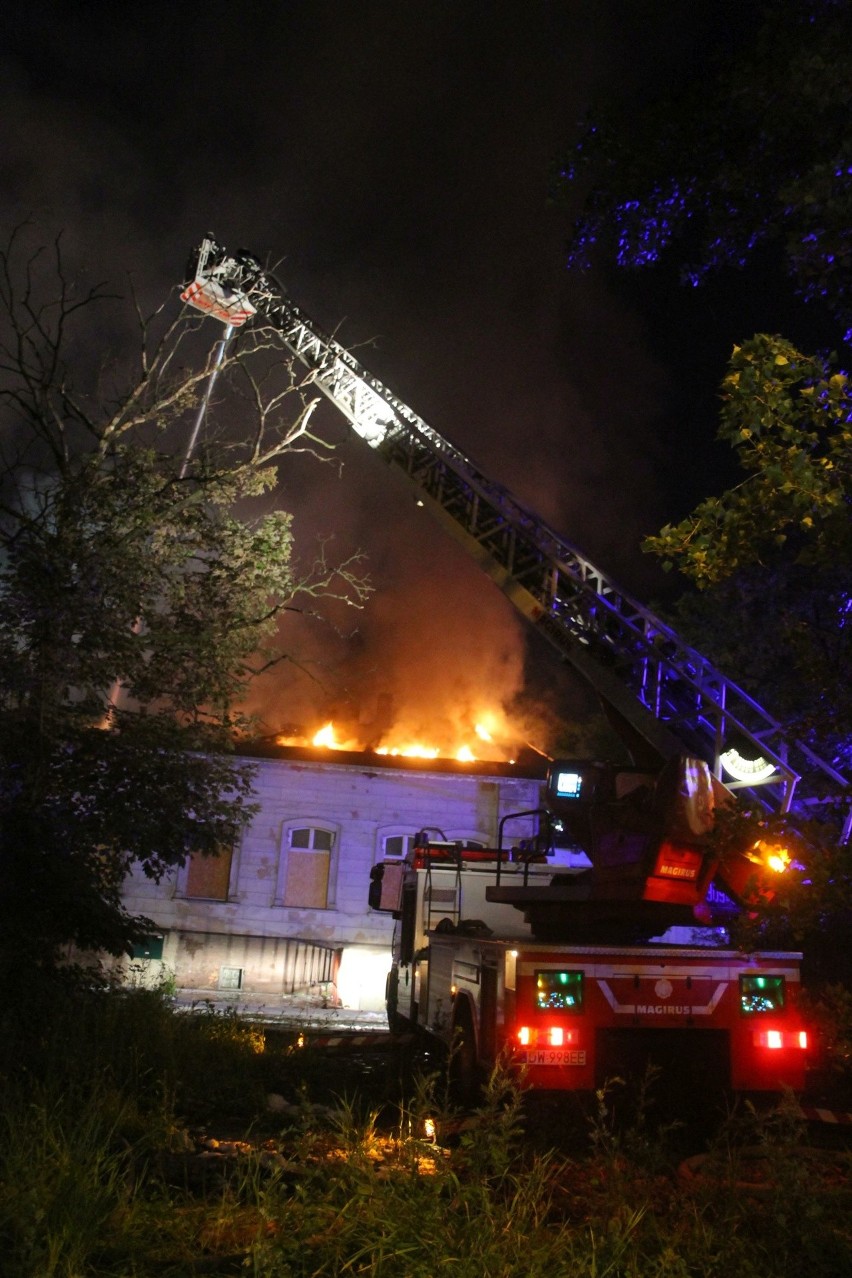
column 100, row 1173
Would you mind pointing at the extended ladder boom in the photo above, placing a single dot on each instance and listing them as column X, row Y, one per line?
column 662, row 688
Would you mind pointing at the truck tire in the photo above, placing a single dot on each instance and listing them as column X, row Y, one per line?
column 397, row 1024
column 465, row 1074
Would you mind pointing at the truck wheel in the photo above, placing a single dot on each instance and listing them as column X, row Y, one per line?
column 397, row 1024
column 465, row 1078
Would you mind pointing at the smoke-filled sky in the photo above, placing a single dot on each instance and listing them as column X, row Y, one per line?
column 394, row 158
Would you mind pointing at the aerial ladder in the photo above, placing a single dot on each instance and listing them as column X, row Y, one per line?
column 661, row 693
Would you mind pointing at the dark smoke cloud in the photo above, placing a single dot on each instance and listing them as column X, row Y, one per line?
column 395, row 158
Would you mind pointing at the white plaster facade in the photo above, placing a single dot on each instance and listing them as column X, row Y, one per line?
column 258, row 946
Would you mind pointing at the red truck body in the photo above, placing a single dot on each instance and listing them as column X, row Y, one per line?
column 468, row 971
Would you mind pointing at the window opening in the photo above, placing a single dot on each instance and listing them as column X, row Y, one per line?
column 761, row 994
column 559, row 991
column 308, row 868
column 209, row 877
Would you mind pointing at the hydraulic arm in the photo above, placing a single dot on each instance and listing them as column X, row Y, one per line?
column 666, row 694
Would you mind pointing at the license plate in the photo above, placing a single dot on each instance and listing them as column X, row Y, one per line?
column 552, row 1056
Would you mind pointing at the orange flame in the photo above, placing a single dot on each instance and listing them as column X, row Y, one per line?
column 326, row 737
column 398, row 745
column 773, row 855
column 413, row 751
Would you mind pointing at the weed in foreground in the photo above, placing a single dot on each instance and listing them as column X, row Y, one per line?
column 88, row 1183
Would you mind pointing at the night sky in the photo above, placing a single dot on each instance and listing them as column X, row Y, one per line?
column 394, row 159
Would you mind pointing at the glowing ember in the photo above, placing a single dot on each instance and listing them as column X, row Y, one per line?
column 415, row 751
column 772, row 855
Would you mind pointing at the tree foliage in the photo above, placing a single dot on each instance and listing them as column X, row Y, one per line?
column 772, row 556
column 788, row 419
column 755, row 152
column 141, row 583
column 751, row 162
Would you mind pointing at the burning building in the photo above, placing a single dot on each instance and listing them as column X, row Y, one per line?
column 282, row 918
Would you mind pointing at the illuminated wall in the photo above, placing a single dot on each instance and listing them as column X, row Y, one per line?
column 284, row 915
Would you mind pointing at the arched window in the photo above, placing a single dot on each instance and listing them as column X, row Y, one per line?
column 306, row 880
column 395, row 846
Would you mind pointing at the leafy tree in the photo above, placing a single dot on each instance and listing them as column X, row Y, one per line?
column 752, row 163
column 140, row 591
column 754, row 154
column 772, row 560
column 788, row 419
column 773, row 555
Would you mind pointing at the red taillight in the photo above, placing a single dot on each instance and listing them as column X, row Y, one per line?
column 546, row 1036
column 775, row 1040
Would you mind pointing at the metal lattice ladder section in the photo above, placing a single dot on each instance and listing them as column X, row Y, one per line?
column 663, row 687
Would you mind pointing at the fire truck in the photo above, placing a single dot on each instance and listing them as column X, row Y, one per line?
column 572, row 973
column 573, row 969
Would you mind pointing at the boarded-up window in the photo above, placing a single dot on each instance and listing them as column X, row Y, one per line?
column 208, row 877
column 308, row 865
